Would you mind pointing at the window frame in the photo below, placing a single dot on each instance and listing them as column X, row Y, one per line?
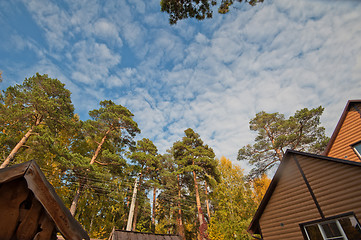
column 353, row 146
column 328, row 220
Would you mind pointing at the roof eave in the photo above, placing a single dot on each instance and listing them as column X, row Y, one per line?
column 338, row 126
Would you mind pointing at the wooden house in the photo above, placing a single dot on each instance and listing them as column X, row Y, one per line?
column 316, row 197
column 30, row 208
column 345, row 142
column 128, row 235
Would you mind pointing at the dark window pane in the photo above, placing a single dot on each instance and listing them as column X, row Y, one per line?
column 331, row 230
column 351, row 228
column 313, row 232
column 357, row 147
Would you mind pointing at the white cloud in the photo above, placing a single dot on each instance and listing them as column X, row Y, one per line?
column 107, row 31
column 52, row 19
column 92, row 62
column 212, row 76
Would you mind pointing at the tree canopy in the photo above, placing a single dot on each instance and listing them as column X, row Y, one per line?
column 40, row 104
column 194, row 157
column 232, row 202
column 276, row 134
column 93, row 164
column 198, row 9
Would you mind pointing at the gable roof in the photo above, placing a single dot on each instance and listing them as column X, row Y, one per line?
column 254, row 226
column 44, row 192
column 349, row 104
column 126, row 235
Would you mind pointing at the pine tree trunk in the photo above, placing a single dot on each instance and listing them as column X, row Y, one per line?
column 153, row 209
column 181, row 231
column 17, row 147
column 39, row 118
column 202, row 222
column 207, row 202
column 74, row 203
column 99, row 147
column 136, row 207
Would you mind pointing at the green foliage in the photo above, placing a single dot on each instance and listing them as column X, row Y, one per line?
column 197, row 160
column 100, row 155
column 40, row 106
column 277, row 134
column 233, row 204
column 198, row 9
column 116, row 119
column 192, row 155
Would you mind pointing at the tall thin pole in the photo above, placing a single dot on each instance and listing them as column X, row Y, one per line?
column 131, row 212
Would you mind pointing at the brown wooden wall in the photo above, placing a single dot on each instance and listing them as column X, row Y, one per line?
column 288, row 205
column 349, row 133
column 337, row 188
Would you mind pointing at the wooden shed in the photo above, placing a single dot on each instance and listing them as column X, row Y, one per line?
column 311, row 197
column 345, row 142
column 128, row 235
column 30, row 208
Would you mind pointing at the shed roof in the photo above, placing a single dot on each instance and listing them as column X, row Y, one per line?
column 254, row 227
column 44, row 192
column 349, row 104
column 126, row 235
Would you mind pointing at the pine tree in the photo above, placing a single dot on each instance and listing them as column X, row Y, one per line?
column 276, row 134
column 147, row 164
column 39, row 102
column 110, row 131
column 198, row 159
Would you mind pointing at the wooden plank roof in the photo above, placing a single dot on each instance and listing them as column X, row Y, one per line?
column 126, row 235
column 45, row 194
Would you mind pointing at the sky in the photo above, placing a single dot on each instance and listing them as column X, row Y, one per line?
column 212, row 76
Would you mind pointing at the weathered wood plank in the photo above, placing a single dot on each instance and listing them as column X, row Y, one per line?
column 47, row 228
column 13, row 172
column 28, row 226
column 12, row 194
column 45, row 193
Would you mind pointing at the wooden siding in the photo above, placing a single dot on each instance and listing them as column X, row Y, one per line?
column 337, row 186
column 290, row 204
column 349, row 133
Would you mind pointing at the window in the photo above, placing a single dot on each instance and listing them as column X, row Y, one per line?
column 357, row 148
column 342, row 227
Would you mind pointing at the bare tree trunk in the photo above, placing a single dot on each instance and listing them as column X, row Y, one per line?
column 74, row 203
column 21, row 143
column 153, row 209
column 99, row 147
column 277, row 150
column 202, row 222
column 80, row 189
column 136, row 206
column 181, row 231
column 207, row 202
column 16, row 148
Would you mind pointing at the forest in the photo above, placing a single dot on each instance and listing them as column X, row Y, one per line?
column 94, row 164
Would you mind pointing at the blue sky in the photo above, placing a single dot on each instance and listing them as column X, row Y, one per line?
column 212, row 76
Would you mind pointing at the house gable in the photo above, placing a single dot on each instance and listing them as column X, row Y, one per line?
column 30, row 207
column 347, row 133
column 307, row 187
